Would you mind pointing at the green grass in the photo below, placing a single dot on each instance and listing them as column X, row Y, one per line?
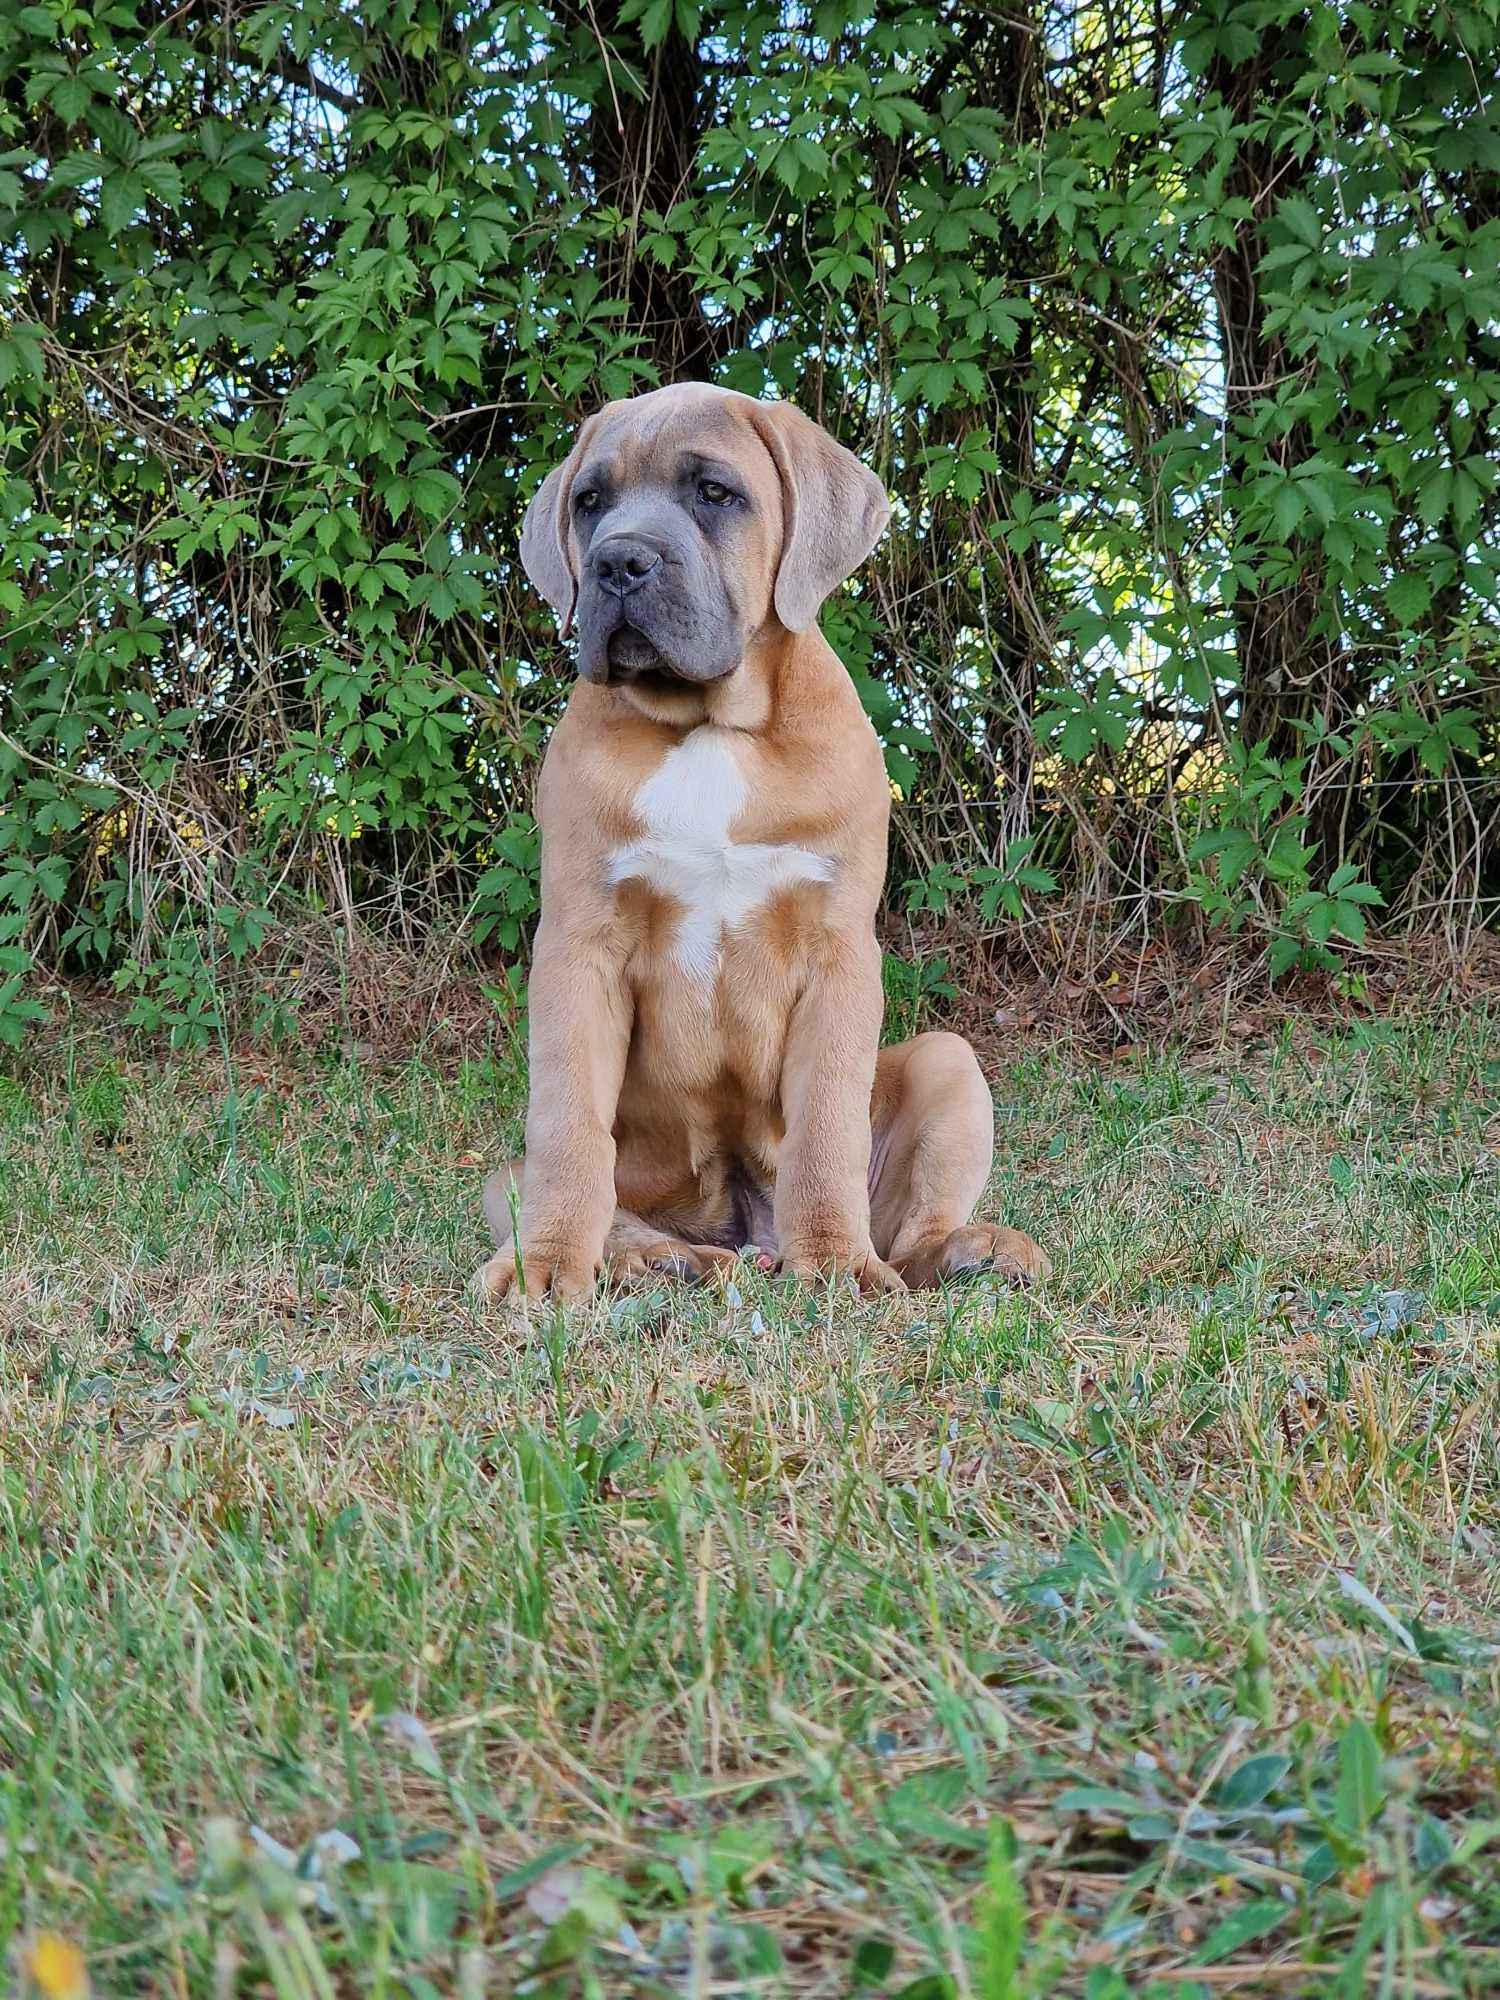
column 1137, row 1636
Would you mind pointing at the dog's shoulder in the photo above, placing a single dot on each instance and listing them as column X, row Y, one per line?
column 599, row 758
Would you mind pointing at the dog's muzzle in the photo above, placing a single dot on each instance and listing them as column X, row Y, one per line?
column 646, row 617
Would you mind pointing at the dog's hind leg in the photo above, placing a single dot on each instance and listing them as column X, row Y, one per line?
column 633, row 1247
column 932, row 1142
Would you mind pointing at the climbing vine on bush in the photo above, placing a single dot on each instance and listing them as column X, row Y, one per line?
column 1172, row 330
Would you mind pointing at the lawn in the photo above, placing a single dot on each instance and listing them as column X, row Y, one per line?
column 1140, row 1635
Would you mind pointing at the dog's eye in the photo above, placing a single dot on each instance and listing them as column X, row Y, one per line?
column 712, row 494
column 586, row 502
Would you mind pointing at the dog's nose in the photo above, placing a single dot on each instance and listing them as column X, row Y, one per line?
column 622, row 564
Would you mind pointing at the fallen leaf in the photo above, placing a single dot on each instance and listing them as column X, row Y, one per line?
column 412, row 1734
column 331, row 1849
column 1362, row 1595
column 57, row 1968
column 552, row 1895
column 274, row 1849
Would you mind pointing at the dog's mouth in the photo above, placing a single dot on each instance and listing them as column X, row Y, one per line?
column 634, row 662
column 622, row 656
column 631, row 654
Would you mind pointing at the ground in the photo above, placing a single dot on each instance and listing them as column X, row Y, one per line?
column 1139, row 1635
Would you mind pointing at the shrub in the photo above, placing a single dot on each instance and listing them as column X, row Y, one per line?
column 1171, row 330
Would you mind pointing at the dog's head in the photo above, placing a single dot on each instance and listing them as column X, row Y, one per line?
column 686, row 521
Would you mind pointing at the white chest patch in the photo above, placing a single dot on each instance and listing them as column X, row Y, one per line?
column 687, row 807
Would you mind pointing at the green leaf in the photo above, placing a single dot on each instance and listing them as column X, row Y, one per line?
column 1288, row 506
column 1319, row 499
column 1301, row 219
column 1349, row 921
column 1097, row 1799
column 656, row 18
column 120, row 198
column 1243, row 1926
column 1252, row 1782
column 873, row 1959
column 1432, row 501
column 1360, row 1793
column 1283, row 954
column 71, row 99
column 1408, row 597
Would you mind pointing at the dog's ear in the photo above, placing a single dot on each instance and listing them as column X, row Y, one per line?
column 833, row 511
column 546, row 543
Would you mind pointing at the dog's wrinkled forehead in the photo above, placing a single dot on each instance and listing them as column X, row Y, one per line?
column 650, row 440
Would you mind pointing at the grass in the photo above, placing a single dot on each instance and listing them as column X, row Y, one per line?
column 1137, row 1636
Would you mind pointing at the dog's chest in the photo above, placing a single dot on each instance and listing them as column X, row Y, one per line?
column 686, row 808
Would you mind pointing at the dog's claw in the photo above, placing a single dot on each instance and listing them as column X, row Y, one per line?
column 865, row 1272
column 988, row 1267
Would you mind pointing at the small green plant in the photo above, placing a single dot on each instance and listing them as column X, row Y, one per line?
column 1469, row 1280
column 1001, row 1927
column 1216, row 1343
column 991, row 888
column 508, row 893
column 16, row 1106
column 916, row 990
column 176, row 993
column 99, row 1101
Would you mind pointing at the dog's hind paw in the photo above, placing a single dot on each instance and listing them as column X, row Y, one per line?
column 988, row 1246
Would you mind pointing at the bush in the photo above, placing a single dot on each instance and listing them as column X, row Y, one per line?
column 1171, row 330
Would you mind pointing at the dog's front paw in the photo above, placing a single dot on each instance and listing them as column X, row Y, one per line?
column 869, row 1272
column 538, row 1273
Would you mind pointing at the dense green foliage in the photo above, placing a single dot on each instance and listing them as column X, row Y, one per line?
column 1172, row 330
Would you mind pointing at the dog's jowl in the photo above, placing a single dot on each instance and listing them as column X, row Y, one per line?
column 706, row 1074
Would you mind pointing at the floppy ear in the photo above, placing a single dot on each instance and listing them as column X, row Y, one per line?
column 545, row 553
column 833, row 511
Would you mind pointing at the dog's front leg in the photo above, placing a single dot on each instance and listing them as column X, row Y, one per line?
column 580, row 1033
column 822, row 1199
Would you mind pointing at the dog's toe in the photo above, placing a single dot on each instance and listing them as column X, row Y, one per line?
column 694, row 1263
column 676, row 1266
